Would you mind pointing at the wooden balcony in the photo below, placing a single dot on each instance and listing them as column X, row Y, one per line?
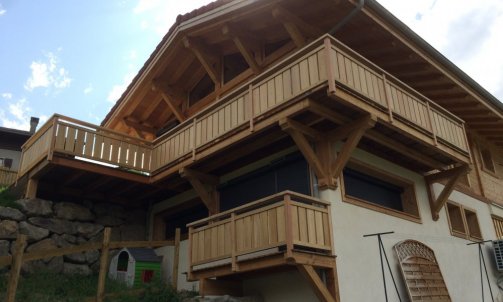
column 285, row 229
column 323, row 86
column 7, row 177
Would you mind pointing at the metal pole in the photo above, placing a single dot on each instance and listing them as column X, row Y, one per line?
column 483, row 262
column 381, row 250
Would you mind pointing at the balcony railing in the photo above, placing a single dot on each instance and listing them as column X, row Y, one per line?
column 279, row 222
column 324, row 63
column 7, row 177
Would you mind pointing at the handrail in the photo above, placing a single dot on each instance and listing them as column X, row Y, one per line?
column 260, row 203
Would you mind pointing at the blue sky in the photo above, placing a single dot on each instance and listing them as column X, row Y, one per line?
column 77, row 57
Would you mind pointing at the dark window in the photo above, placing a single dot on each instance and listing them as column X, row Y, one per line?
column 290, row 173
column 372, row 189
column 204, row 87
column 6, row 162
column 234, row 65
column 487, row 160
column 147, row 275
column 180, row 219
column 270, row 48
column 122, row 262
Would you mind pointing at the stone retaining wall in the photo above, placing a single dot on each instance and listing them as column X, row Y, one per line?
column 50, row 225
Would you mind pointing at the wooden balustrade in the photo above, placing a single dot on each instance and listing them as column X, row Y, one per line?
column 285, row 219
column 324, row 63
column 7, row 177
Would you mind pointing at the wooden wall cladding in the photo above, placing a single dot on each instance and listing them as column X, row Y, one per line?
column 421, row 272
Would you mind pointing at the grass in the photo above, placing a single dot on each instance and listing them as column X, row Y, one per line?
column 7, row 200
column 53, row 287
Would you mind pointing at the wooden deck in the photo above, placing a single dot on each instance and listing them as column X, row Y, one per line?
column 7, row 177
column 283, row 91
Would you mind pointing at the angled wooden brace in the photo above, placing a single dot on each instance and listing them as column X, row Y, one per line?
column 243, row 46
column 320, row 289
column 295, row 26
column 205, row 57
column 452, row 176
column 353, row 131
column 205, row 186
column 172, row 98
column 317, row 159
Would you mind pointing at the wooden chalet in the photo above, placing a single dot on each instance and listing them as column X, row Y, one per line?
column 247, row 115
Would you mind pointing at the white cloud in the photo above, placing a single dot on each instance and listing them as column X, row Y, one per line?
column 7, row 95
column 468, row 33
column 47, row 74
column 145, row 5
column 117, row 90
column 17, row 115
column 2, row 10
column 88, row 89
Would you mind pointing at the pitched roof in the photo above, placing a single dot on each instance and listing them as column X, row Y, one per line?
column 179, row 20
column 144, row 255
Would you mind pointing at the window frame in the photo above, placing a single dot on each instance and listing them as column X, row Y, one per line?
column 468, row 231
column 387, row 177
column 483, row 149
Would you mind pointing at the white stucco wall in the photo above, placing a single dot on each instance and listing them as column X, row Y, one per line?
column 15, row 155
column 183, row 265
column 358, row 261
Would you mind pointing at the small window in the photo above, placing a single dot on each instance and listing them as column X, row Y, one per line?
column 498, row 226
column 463, row 222
column 379, row 191
column 204, row 87
column 487, row 160
column 6, row 163
column 147, row 276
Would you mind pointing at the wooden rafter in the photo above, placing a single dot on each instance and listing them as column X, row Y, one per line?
column 243, row 45
column 205, row 57
column 298, row 29
column 205, row 186
column 320, row 289
column 172, row 98
column 138, row 126
column 452, row 176
column 321, row 158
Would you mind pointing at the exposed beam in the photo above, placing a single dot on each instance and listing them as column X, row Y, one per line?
column 290, row 123
column 452, row 176
column 352, row 141
column 134, row 123
column 243, row 46
column 172, row 98
column 205, row 186
column 298, row 29
column 205, row 57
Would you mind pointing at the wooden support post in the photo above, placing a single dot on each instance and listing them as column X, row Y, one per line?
column 333, row 283
column 288, row 227
column 387, row 96
column 330, row 66
column 105, row 249
column 190, row 275
column 176, row 259
column 17, row 262
column 320, row 289
column 31, row 188
column 431, row 122
column 234, row 264
column 452, row 176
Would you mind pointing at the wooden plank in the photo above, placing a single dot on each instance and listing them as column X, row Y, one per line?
column 17, row 262
column 100, row 293
column 70, row 140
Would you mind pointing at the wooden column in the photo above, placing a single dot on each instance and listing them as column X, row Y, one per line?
column 31, row 188
column 100, row 293
column 176, row 259
column 17, row 262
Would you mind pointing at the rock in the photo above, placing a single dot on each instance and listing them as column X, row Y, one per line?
column 88, row 229
column 102, row 209
column 34, row 233
column 4, row 247
column 108, row 220
column 54, row 225
column 35, row 206
column 72, row 211
column 81, row 240
column 92, row 256
column 132, row 232
column 54, row 265
column 43, row 245
column 8, row 229
column 61, row 241
column 11, row 214
column 76, row 258
column 95, row 267
column 76, row 269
